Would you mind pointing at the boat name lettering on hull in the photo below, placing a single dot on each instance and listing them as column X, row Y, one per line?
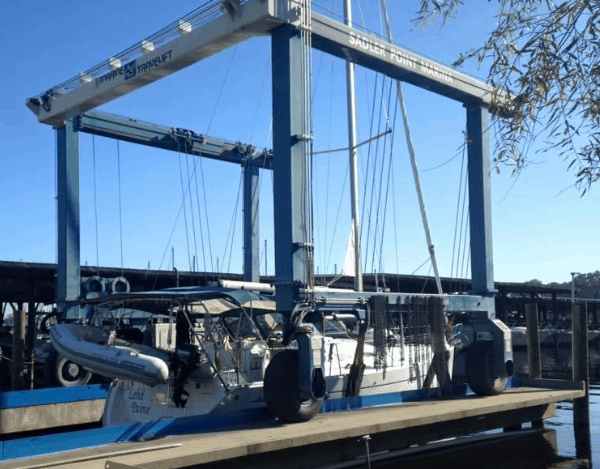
column 140, row 409
column 137, row 394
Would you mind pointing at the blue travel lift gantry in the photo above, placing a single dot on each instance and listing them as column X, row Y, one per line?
column 486, row 358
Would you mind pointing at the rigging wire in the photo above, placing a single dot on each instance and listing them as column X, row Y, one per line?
column 95, row 203
column 395, row 217
column 385, row 204
column 201, row 16
column 189, row 179
column 466, row 263
column 120, row 204
column 358, row 145
column 231, row 232
column 257, row 188
column 183, row 198
column 206, row 215
column 366, row 179
column 379, row 208
column 328, row 168
column 457, row 249
column 168, row 243
column 418, row 268
column 222, row 88
column 460, row 151
column 373, row 206
column 413, row 161
column 202, row 245
column 460, row 188
column 337, row 216
column 262, row 88
column 464, row 225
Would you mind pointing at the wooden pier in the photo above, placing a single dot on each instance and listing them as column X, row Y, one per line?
column 328, row 438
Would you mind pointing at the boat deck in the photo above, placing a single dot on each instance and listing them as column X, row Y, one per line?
column 328, row 438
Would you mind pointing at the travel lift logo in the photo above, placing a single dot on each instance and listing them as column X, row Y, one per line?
column 129, row 70
column 132, row 68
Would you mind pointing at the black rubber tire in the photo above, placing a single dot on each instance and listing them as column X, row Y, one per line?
column 48, row 321
column 479, row 373
column 281, row 390
column 70, row 374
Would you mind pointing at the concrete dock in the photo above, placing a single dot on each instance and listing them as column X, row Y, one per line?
column 328, row 438
column 52, row 408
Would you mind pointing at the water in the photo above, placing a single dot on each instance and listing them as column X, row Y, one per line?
column 562, row 423
column 557, row 364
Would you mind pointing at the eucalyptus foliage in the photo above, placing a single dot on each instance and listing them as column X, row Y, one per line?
column 546, row 57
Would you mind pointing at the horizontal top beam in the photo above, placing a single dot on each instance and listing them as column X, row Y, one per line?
column 210, row 32
column 213, row 30
column 335, row 38
column 172, row 139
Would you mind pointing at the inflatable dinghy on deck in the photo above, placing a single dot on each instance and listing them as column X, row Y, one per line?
column 101, row 353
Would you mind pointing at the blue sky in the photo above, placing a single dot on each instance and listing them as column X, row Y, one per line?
column 540, row 229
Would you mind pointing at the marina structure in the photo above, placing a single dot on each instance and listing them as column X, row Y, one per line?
column 479, row 350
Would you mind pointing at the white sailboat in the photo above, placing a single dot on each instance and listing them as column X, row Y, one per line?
column 217, row 359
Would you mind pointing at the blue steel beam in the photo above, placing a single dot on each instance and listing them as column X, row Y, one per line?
column 173, row 139
column 478, row 151
column 68, row 281
column 289, row 166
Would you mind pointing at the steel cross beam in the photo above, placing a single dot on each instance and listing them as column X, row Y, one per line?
column 149, row 62
column 155, row 58
column 172, row 139
column 335, row 38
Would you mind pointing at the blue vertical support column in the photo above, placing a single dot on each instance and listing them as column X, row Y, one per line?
column 478, row 148
column 68, row 281
column 289, row 166
column 251, row 241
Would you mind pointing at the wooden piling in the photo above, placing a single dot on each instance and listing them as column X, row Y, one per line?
column 534, row 354
column 18, row 342
column 31, row 341
column 581, row 406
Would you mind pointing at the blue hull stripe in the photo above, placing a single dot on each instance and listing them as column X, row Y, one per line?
column 27, row 447
column 12, row 399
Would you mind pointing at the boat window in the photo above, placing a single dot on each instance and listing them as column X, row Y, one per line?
column 240, row 326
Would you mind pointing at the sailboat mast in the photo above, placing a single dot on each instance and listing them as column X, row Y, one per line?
column 413, row 159
column 358, row 281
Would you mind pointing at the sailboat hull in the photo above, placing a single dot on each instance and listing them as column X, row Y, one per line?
column 129, row 401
